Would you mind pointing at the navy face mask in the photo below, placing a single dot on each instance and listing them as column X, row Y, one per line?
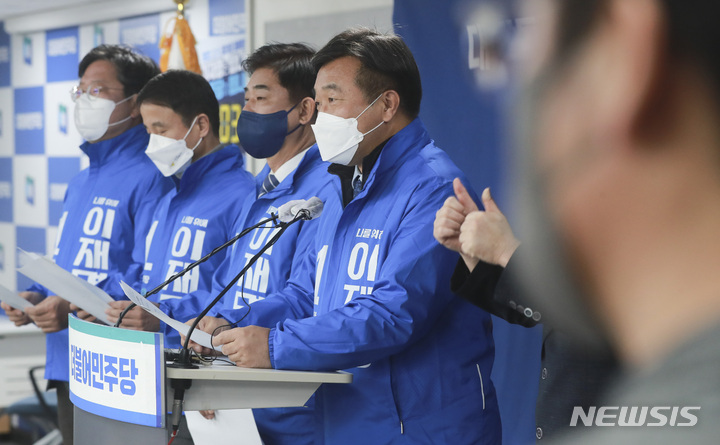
column 262, row 135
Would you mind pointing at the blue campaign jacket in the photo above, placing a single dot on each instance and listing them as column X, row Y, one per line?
column 188, row 223
column 373, row 298
column 106, row 215
column 272, row 270
column 270, row 274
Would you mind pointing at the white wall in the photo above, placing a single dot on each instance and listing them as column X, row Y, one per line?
column 267, row 11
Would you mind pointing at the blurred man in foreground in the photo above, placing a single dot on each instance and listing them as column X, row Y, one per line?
column 620, row 202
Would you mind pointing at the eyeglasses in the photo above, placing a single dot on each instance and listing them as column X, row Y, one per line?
column 92, row 92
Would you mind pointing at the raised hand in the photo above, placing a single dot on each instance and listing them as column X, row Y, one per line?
column 451, row 216
column 486, row 235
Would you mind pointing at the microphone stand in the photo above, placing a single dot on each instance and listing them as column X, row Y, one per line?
column 273, row 218
column 183, row 361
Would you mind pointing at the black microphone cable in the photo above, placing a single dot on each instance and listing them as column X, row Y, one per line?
column 183, row 361
column 273, row 218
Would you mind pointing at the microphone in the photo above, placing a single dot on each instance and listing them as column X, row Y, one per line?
column 273, row 218
column 303, row 210
column 307, row 209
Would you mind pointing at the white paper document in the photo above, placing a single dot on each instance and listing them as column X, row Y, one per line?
column 230, row 426
column 13, row 299
column 198, row 336
column 65, row 285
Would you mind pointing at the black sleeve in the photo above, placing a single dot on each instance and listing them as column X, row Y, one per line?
column 490, row 289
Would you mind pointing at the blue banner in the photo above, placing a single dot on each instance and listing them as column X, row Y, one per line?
column 2, row 258
column 29, row 239
column 143, row 34
column 467, row 123
column 6, row 195
column 27, row 50
column 62, row 54
column 29, row 121
column 227, row 17
column 60, row 172
column 4, row 57
column 223, row 70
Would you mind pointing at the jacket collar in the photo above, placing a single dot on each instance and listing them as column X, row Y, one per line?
column 410, row 139
column 134, row 140
column 222, row 160
column 311, row 158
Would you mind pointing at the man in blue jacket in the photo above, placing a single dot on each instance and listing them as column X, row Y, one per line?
column 181, row 114
column 371, row 295
column 273, row 125
column 107, row 208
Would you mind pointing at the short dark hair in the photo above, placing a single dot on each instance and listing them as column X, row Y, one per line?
column 292, row 62
column 186, row 93
column 386, row 64
column 693, row 34
column 133, row 69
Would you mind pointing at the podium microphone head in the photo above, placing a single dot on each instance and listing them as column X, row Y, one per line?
column 312, row 209
column 305, row 209
column 285, row 212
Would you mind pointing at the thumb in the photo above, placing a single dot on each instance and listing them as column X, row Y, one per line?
column 489, row 202
column 463, row 196
column 219, row 339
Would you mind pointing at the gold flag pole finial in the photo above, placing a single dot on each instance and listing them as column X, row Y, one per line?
column 180, row 7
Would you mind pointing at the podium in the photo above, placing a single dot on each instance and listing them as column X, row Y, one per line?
column 130, row 404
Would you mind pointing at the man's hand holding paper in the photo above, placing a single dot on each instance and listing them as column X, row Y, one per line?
column 14, row 305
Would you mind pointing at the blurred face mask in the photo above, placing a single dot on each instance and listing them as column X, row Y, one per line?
column 171, row 156
column 548, row 274
column 92, row 116
column 338, row 138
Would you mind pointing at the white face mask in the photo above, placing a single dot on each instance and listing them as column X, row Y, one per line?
column 92, row 116
column 170, row 155
column 338, row 138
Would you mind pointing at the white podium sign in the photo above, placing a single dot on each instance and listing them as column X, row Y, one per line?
column 117, row 373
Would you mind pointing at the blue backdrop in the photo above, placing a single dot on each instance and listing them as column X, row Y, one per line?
column 468, row 124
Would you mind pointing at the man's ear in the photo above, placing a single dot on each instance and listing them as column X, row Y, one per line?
column 135, row 110
column 203, row 123
column 390, row 102
column 634, row 37
column 306, row 110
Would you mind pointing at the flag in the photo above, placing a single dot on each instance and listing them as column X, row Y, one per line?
column 177, row 48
